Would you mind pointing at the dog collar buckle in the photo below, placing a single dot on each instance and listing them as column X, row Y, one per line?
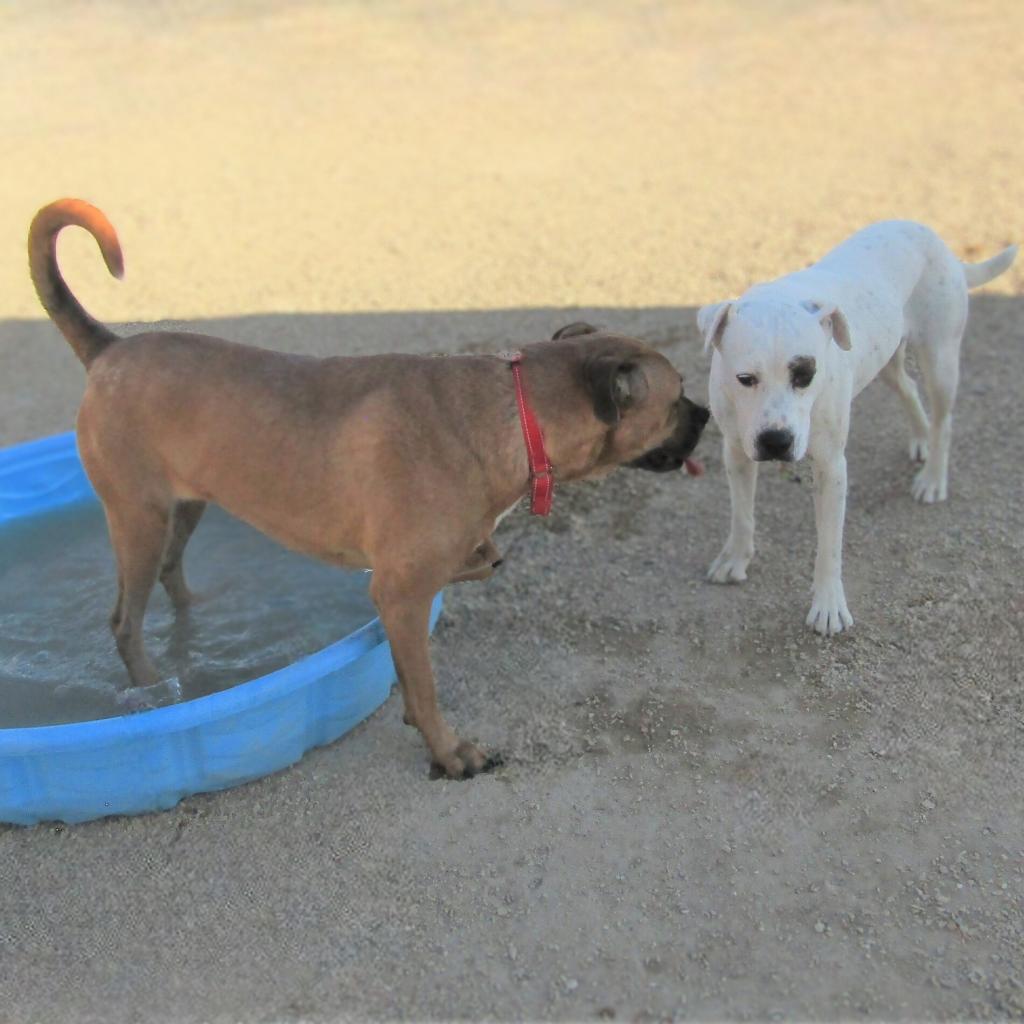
column 542, row 473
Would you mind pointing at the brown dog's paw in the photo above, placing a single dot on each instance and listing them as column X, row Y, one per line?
column 465, row 761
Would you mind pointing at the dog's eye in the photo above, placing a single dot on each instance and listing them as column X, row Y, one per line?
column 801, row 372
column 748, row 380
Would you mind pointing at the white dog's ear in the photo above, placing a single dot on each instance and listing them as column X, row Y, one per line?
column 712, row 320
column 832, row 321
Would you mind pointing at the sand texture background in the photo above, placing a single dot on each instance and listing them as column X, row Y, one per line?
column 706, row 812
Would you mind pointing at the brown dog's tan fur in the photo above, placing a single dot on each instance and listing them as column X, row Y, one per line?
column 397, row 463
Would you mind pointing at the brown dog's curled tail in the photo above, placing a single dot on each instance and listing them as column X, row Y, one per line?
column 86, row 336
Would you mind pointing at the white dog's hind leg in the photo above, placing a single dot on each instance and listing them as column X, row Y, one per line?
column 940, row 367
column 894, row 373
column 829, row 613
column 731, row 565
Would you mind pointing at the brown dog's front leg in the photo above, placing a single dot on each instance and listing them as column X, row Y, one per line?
column 481, row 563
column 406, row 618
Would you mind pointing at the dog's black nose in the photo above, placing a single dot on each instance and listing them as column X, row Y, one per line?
column 775, row 444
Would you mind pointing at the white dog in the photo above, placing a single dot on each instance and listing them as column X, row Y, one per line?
column 790, row 356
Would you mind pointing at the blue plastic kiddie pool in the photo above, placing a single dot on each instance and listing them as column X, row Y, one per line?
column 149, row 760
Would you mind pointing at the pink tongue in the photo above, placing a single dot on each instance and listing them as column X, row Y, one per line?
column 694, row 467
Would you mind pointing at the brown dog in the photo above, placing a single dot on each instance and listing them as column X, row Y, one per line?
column 398, row 463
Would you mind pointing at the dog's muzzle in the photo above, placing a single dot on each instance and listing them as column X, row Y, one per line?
column 673, row 453
column 775, row 446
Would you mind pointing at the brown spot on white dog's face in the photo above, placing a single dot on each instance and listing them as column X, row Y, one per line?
column 801, row 371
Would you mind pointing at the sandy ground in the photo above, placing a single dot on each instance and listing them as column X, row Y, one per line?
column 706, row 811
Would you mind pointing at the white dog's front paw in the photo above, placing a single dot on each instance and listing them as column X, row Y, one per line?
column 927, row 488
column 829, row 614
column 919, row 449
column 730, row 566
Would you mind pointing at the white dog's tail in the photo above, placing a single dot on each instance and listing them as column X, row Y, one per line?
column 978, row 274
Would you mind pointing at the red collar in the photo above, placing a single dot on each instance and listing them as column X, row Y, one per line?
column 542, row 480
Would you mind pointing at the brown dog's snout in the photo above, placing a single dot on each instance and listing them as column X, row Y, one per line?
column 700, row 414
column 690, row 422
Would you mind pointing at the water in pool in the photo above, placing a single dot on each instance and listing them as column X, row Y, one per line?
column 259, row 608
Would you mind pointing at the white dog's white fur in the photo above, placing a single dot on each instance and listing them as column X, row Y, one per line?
column 847, row 319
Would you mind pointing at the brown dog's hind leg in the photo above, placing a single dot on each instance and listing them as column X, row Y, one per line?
column 184, row 519
column 405, row 614
column 138, row 534
column 115, row 615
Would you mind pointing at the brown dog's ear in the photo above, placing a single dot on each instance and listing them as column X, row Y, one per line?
column 614, row 385
column 572, row 330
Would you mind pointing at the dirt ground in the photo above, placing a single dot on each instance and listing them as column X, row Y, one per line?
column 706, row 812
